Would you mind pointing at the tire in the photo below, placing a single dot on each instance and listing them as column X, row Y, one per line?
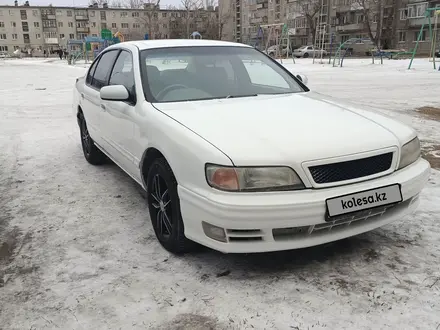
column 164, row 207
column 306, row 55
column 91, row 152
column 272, row 55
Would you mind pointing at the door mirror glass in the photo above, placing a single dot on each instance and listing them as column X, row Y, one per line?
column 114, row 93
column 303, row 78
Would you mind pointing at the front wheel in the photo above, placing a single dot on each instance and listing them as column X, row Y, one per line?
column 164, row 208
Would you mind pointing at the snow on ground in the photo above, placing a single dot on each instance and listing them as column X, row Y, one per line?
column 77, row 250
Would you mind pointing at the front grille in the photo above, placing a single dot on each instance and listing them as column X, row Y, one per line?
column 351, row 169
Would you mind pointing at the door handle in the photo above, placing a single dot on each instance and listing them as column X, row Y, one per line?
column 103, row 107
column 82, row 95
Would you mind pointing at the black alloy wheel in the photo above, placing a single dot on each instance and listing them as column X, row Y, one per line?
column 164, row 207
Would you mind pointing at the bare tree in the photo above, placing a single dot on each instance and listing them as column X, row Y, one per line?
column 191, row 8
column 99, row 3
column 310, row 10
column 378, row 21
column 149, row 16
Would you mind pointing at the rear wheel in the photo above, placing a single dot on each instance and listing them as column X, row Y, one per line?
column 164, row 208
column 91, row 152
column 306, row 55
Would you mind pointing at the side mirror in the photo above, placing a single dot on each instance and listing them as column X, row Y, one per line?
column 303, row 78
column 114, row 93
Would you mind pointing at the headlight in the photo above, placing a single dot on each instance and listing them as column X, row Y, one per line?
column 252, row 178
column 410, row 153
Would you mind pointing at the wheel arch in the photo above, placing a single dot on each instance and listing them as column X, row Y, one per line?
column 149, row 156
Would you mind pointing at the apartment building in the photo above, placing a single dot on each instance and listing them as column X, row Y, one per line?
column 49, row 28
column 343, row 19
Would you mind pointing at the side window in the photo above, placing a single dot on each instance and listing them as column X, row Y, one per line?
column 91, row 72
column 310, row 47
column 102, row 72
column 122, row 73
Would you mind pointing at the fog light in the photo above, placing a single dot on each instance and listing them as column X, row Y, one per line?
column 214, row 232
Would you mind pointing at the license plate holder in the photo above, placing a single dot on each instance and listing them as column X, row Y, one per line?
column 363, row 200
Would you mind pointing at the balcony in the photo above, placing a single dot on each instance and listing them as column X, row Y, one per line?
column 350, row 27
column 48, row 17
column 49, row 29
column 83, row 29
column 417, row 21
column 51, row 41
column 82, row 17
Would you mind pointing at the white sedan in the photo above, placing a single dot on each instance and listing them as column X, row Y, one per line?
column 237, row 154
column 307, row 51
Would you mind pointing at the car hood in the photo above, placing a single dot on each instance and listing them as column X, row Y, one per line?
column 284, row 129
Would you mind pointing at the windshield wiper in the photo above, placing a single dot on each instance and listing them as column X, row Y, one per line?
column 237, row 96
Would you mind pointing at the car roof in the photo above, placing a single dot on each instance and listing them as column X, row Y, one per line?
column 170, row 43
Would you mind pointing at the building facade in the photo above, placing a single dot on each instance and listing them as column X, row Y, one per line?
column 37, row 29
column 398, row 20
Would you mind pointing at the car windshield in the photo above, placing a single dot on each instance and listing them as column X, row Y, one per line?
column 203, row 72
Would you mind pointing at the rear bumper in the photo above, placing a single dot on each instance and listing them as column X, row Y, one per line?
column 253, row 221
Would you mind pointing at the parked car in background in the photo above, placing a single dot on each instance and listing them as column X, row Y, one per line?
column 236, row 153
column 4, row 54
column 272, row 50
column 308, row 51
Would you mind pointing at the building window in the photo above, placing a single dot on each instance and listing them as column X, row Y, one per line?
column 36, row 24
column 26, row 38
column 124, row 25
column 35, row 12
column 124, row 14
column 25, row 26
column 2, row 24
column 344, row 38
column 38, row 36
column 23, row 14
column 11, row 12
column 92, row 13
column 14, row 36
column 102, row 13
column 69, row 13
column 114, row 26
column 16, row 47
column 164, row 15
column 402, row 36
column 136, row 26
column 71, row 36
column 60, row 24
column 70, row 24
column 13, row 24
column 61, row 36
column 93, row 24
column 164, row 26
column 3, row 48
column 403, row 14
column 103, row 25
column 422, row 38
column 135, row 14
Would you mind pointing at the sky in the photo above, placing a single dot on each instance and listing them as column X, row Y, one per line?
column 78, row 3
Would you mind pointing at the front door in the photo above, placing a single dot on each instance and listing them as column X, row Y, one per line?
column 117, row 116
column 91, row 100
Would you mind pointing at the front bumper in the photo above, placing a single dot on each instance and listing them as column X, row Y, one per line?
column 253, row 221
